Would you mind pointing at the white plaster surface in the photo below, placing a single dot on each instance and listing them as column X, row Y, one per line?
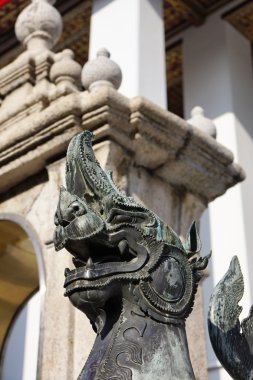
column 128, row 29
column 15, row 350
column 32, row 338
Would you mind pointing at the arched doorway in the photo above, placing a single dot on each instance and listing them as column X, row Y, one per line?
column 22, row 284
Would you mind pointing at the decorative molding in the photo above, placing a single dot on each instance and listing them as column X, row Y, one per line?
column 158, row 140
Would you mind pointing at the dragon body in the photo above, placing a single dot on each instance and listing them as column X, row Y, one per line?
column 133, row 277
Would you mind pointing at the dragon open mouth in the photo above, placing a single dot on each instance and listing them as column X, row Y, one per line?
column 113, row 259
column 109, row 234
column 120, row 253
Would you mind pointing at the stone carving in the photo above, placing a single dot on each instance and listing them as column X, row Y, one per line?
column 133, row 277
column 199, row 120
column 232, row 341
column 39, row 25
column 65, row 70
column 101, row 71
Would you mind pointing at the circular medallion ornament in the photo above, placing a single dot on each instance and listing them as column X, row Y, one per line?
column 169, row 295
column 168, row 280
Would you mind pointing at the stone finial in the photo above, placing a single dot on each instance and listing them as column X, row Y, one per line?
column 66, row 69
column 199, row 120
column 101, row 72
column 39, row 25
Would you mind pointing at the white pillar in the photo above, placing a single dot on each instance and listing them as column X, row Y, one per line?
column 31, row 348
column 133, row 32
column 218, row 77
column 23, row 343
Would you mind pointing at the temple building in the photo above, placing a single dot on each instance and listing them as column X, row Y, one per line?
column 177, row 134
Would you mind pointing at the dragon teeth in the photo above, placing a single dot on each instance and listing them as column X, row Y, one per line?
column 89, row 264
column 123, row 246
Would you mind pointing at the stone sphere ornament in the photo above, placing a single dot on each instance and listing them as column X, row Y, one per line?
column 199, row 120
column 101, row 72
column 66, row 69
column 39, row 26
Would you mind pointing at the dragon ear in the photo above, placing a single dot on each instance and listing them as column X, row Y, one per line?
column 192, row 242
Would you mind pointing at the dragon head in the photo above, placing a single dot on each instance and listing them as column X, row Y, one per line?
column 95, row 221
column 112, row 237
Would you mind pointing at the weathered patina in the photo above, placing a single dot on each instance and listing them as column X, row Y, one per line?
column 133, row 277
column 232, row 341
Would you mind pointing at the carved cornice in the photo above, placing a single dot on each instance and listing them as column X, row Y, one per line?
column 28, row 79
column 22, row 70
column 156, row 139
column 195, row 162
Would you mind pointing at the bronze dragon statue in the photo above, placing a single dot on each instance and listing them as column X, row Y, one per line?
column 133, row 277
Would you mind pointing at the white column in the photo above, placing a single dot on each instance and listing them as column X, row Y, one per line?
column 32, row 337
column 23, row 343
column 133, row 32
column 218, row 77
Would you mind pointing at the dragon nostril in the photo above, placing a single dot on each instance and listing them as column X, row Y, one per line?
column 56, row 220
column 77, row 208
